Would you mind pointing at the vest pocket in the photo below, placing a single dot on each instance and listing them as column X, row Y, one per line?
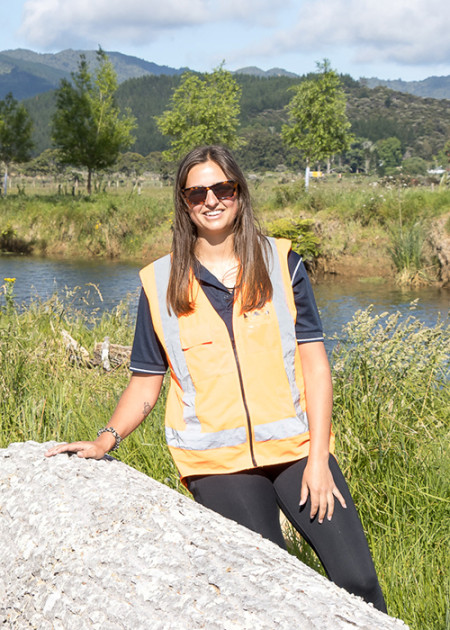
column 195, row 338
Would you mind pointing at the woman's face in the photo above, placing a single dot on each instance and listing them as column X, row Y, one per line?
column 213, row 217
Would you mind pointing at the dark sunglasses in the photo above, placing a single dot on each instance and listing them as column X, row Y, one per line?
column 197, row 194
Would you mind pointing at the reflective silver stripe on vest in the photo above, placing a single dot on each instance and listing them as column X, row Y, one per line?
column 287, row 333
column 280, row 429
column 194, row 441
column 172, row 340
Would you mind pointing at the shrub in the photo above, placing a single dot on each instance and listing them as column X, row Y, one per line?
column 300, row 232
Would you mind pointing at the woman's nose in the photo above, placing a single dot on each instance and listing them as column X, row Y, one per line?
column 211, row 199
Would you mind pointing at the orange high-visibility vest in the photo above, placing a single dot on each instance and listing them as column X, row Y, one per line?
column 231, row 407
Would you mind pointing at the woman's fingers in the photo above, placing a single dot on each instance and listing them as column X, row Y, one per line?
column 83, row 449
column 324, row 505
column 339, row 496
column 321, row 503
column 304, row 493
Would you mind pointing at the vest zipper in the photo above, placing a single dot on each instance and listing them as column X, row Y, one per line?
column 247, row 413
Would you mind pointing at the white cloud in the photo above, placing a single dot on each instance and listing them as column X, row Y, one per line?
column 400, row 31
column 53, row 23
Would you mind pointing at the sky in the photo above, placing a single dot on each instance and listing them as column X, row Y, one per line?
column 389, row 39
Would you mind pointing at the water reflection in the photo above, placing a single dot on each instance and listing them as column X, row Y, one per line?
column 339, row 298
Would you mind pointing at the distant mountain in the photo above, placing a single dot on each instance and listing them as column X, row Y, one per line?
column 434, row 87
column 273, row 72
column 26, row 73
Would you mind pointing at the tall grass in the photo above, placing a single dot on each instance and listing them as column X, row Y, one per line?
column 392, row 402
column 392, row 412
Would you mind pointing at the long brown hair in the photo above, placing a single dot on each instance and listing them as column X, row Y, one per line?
column 250, row 246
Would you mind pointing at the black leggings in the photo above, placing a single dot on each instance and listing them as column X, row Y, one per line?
column 252, row 498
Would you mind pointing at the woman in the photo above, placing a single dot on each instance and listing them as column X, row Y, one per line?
column 248, row 415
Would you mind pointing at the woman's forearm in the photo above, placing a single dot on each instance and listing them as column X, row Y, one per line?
column 136, row 402
column 134, row 405
column 319, row 396
column 317, row 481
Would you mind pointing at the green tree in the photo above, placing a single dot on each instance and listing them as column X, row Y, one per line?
column 414, row 166
column 443, row 157
column 204, row 110
column 389, row 154
column 88, row 128
column 15, row 134
column 318, row 124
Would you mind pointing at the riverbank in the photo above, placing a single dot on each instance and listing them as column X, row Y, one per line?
column 351, row 228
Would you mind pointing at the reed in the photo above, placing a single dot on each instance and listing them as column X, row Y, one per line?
column 392, row 402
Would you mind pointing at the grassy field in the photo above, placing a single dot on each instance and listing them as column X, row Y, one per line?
column 392, row 401
column 377, row 225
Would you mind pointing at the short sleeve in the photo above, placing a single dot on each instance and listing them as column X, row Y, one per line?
column 308, row 326
column 147, row 353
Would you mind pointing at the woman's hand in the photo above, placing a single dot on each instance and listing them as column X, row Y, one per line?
column 318, row 482
column 91, row 450
column 134, row 405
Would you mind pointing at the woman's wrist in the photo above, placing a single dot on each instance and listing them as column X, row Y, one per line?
column 106, row 441
column 319, row 453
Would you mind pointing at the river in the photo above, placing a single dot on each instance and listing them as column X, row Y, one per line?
column 102, row 285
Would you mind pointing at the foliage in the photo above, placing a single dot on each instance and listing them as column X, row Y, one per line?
column 204, row 110
column 361, row 156
column 15, row 133
column 287, row 194
column 47, row 163
column 10, row 242
column 392, row 398
column 263, row 150
column 131, row 163
column 389, row 153
column 414, row 166
column 300, row 233
column 443, row 157
column 318, row 124
column 421, row 125
column 88, row 128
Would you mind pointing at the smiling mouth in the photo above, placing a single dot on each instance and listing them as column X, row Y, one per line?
column 213, row 213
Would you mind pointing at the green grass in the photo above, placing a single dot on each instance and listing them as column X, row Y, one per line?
column 392, row 402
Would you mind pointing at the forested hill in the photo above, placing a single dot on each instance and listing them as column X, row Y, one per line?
column 422, row 125
column 26, row 73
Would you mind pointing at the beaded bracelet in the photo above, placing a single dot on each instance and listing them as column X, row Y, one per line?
column 116, row 436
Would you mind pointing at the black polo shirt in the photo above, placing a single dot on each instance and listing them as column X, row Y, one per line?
column 148, row 355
